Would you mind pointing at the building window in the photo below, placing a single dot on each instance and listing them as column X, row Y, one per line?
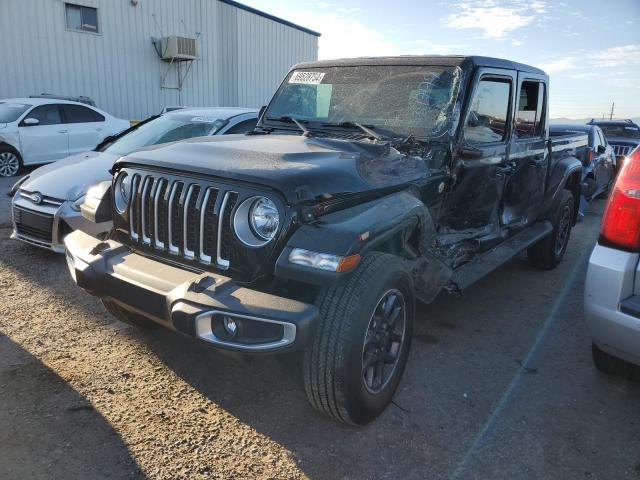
column 81, row 18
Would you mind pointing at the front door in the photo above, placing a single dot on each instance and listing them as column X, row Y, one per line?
column 528, row 155
column 48, row 140
column 472, row 206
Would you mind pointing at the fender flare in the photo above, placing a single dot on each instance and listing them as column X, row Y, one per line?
column 567, row 173
column 370, row 226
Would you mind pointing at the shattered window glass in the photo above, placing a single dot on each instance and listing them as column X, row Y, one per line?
column 406, row 100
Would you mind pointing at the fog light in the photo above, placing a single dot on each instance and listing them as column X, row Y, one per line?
column 230, row 326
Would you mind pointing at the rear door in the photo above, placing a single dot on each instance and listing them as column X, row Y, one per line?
column 48, row 140
column 85, row 126
column 473, row 202
column 528, row 154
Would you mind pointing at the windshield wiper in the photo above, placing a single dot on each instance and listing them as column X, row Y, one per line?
column 364, row 128
column 298, row 123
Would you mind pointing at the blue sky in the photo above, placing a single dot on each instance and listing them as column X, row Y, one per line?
column 589, row 48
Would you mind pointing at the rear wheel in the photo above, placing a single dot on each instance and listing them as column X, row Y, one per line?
column 549, row 251
column 10, row 162
column 128, row 317
column 358, row 355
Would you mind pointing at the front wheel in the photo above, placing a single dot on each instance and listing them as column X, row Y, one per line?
column 10, row 162
column 549, row 251
column 356, row 360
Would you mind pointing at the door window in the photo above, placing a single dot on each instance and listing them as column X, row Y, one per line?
column 529, row 122
column 46, row 115
column 487, row 119
column 78, row 114
column 243, row 127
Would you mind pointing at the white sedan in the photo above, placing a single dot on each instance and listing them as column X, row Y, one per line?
column 34, row 131
column 46, row 202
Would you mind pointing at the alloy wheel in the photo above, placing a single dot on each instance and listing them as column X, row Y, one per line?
column 9, row 164
column 564, row 226
column 383, row 341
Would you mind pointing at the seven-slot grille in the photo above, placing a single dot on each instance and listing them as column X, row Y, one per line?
column 36, row 225
column 182, row 217
column 621, row 150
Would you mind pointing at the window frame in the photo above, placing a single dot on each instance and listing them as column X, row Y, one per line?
column 81, row 30
column 543, row 112
column 490, row 75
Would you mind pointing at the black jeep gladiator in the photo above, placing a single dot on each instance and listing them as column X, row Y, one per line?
column 368, row 184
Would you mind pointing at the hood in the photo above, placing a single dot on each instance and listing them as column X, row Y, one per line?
column 70, row 178
column 301, row 168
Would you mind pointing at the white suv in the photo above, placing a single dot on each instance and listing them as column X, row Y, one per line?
column 41, row 130
column 612, row 287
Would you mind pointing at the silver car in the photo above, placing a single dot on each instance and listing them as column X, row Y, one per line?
column 46, row 203
column 612, row 288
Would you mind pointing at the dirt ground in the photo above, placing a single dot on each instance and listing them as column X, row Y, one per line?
column 499, row 385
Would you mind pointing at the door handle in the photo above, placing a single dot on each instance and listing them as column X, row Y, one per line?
column 63, row 131
column 98, row 129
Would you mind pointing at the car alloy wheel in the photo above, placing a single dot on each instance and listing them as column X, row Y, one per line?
column 564, row 227
column 383, row 341
column 9, row 164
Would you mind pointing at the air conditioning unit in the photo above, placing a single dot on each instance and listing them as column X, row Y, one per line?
column 177, row 49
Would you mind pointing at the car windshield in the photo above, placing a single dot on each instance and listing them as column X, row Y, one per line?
column 403, row 99
column 623, row 131
column 164, row 129
column 10, row 112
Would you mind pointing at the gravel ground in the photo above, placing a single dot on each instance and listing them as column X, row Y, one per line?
column 499, row 385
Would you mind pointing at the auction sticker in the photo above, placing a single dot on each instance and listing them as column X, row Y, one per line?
column 307, row 78
column 203, row 119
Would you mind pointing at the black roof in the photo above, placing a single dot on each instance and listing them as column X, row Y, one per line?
column 270, row 17
column 571, row 127
column 439, row 60
column 613, row 123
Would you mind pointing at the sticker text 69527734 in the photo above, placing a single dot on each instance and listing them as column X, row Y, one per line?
column 307, row 78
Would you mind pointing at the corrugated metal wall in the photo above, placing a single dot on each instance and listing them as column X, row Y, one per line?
column 241, row 56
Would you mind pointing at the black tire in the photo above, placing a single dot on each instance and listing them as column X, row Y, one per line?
column 336, row 380
column 549, row 252
column 10, row 162
column 128, row 317
column 612, row 365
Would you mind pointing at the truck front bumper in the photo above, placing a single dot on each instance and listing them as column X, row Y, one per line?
column 196, row 304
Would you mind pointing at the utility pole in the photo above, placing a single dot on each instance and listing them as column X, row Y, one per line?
column 611, row 114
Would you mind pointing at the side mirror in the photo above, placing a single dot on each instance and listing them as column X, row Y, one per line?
column 30, row 122
column 601, row 149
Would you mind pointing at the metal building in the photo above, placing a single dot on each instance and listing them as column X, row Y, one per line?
column 134, row 57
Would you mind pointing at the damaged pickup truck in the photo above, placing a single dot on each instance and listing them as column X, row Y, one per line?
column 368, row 184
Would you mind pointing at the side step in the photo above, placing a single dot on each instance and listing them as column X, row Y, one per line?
column 485, row 263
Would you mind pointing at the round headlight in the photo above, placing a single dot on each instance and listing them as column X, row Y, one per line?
column 122, row 192
column 256, row 221
column 264, row 218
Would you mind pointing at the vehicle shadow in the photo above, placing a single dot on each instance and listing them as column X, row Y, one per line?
column 49, row 427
